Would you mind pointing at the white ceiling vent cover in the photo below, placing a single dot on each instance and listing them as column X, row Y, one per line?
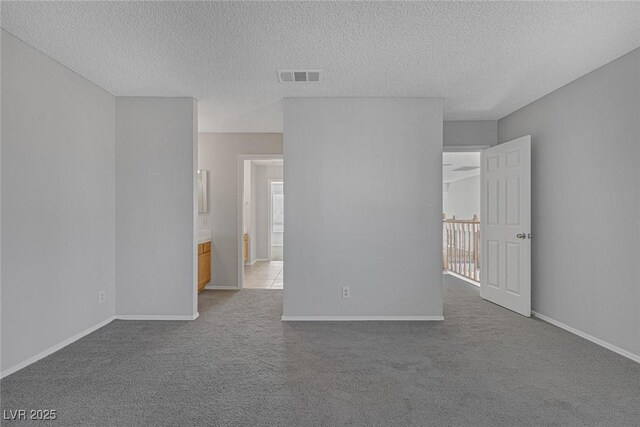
column 299, row 76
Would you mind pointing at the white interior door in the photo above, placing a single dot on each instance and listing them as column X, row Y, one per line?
column 505, row 230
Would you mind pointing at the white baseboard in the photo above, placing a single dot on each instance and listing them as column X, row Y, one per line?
column 458, row 276
column 155, row 317
column 359, row 318
column 84, row 333
column 55, row 348
column 615, row 349
column 222, row 288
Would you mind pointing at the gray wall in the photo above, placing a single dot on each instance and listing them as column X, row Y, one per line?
column 218, row 152
column 364, row 201
column 466, row 133
column 156, row 209
column 58, row 203
column 586, row 201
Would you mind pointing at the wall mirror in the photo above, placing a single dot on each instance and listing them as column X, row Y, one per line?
column 203, row 199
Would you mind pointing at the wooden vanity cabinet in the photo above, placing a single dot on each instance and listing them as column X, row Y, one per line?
column 245, row 247
column 204, row 265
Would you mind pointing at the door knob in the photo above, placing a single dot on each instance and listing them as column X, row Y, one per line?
column 521, row 236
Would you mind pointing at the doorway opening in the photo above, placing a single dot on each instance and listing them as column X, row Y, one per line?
column 491, row 248
column 461, row 215
column 276, row 220
column 262, row 224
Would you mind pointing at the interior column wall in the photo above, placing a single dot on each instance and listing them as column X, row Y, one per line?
column 363, row 208
column 156, row 207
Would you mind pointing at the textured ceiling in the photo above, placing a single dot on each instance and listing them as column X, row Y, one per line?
column 486, row 59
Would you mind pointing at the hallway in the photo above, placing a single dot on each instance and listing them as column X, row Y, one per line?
column 263, row 275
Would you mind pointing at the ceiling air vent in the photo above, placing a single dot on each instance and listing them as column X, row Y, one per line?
column 299, row 76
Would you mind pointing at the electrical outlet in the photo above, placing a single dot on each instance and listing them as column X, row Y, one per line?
column 346, row 292
column 102, row 297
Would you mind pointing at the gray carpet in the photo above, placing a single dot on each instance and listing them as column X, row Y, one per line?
column 238, row 364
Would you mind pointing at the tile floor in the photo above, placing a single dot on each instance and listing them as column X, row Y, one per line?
column 276, row 253
column 263, row 275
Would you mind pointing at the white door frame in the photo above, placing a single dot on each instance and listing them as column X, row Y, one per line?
column 270, row 208
column 463, row 148
column 240, row 205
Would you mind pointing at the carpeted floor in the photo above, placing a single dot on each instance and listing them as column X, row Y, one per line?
column 238, row 365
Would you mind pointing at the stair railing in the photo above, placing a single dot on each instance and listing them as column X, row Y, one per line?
column 461, row 246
